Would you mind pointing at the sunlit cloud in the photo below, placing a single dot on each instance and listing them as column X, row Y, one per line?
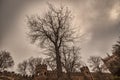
column 115, row 12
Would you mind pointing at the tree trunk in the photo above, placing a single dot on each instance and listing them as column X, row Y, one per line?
column 59, row 66
column 69, row 75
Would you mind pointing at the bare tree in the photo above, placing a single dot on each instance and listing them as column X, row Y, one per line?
column 52, row 31
column 71, row 60
column 95, row 63
column 97, row 66
column 6, row 60
column 28, row 66
column 32, row 63
column 22, row 67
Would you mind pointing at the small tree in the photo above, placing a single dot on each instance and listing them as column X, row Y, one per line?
column 22, row 67
column 95, row 63
column 28, row 66
column 71, row 60
column 32, row 63
column 6, row 60
column 52, row 31
column 97, row 66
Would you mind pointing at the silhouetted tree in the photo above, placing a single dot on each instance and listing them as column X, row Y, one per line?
column 116, row 51
column 95, row 63
column 116, row 48
column 32, row 63
column 6, row 60
column 22, row 67
column 28, row 66
column 97, row 66
column 70, row 57
column 52, row 31
column 71, row 60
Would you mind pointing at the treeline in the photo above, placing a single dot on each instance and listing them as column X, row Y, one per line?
column 70, row 61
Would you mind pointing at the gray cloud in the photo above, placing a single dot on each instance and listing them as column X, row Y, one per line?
column 104, row 30
column 93, row 16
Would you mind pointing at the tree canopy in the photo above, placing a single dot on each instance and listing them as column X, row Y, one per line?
column 52, row 31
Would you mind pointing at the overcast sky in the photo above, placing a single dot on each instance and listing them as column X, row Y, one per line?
column 98, row 20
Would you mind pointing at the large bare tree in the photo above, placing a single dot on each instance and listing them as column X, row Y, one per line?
column 52, row 31
column 6, row 60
